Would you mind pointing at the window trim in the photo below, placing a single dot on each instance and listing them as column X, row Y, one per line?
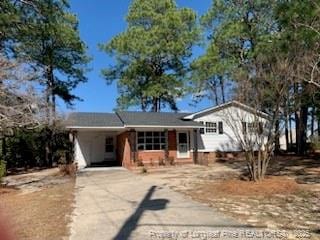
column 188, row 144
column 211, row 133
column 144, row 144
column 250, row 128
column 217, row 127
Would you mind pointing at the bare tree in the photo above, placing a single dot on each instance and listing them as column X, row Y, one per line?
column 20, row 103
column 308, row 69
column 257, row 129
column 253, row 133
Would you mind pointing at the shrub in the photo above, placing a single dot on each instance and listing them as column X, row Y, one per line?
column 144, row 170
column 68, row 169
column 140, row 163
column 2, row 169
column 161, row 162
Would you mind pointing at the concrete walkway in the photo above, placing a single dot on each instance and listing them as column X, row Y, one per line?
column 117, row 204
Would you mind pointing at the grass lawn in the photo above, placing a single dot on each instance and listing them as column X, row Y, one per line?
column 43, row 211
column 288, row 199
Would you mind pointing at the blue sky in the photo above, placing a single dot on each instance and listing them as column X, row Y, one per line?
column 100, row 20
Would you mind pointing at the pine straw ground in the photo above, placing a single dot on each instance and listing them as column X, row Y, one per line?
column 288, row 199
column 40, row 213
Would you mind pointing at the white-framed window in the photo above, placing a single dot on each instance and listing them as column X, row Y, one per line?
column 148, row 141
column 252, row 127
column 211, row 128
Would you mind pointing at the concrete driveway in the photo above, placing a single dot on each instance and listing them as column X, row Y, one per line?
column 117, row 204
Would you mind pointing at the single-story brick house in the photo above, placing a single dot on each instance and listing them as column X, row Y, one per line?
column 147, row 138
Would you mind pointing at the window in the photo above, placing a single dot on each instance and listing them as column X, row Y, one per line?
column 109, row 145
column 211, row 128
column 252, row 127
column 151, row 141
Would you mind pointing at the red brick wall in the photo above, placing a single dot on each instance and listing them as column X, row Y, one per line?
column 206, row 158
column 149, row 158
column 156, row 157
column 124, row 150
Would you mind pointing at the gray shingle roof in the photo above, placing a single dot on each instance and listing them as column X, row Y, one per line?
column 155, row 119
column 122, row 119
column 90, row 119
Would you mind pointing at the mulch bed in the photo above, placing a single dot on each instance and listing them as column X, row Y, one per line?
column 266, row 187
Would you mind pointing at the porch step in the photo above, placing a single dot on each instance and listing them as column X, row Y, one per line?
column 106, row 164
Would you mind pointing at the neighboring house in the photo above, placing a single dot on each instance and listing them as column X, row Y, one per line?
column 147, row 138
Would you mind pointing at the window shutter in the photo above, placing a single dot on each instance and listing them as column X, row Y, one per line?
column 244, row 127
column 202, row 129
column 220, row 127
column 260, row 127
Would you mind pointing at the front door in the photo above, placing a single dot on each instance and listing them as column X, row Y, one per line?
column 183, row 144
column 109, row 148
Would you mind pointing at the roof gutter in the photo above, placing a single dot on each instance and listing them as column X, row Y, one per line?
column 87, row 127
column 160, row 126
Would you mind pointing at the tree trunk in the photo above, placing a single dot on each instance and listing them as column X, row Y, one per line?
column 143, row 104
column 159, row 104
column 298, row 126
column 286, row 128
column 214, row 93
column 155, row 104
column 222, row 89
column 277, row 137
column 313, row 110
column 303, row 129
column 54, row 116
column 290, row 132
column 257, row 164
column 318, row 126
column 51, row 116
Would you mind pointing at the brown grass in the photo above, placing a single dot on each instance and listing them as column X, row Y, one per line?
column 44, row 214
column 267, row 187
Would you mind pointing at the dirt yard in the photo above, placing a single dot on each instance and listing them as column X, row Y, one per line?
column 288, row 199
column 37, row 205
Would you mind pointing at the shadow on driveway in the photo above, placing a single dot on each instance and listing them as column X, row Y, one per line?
column 147, row 204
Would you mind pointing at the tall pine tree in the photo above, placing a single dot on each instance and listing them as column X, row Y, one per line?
column 53, row 46
column 152, row 54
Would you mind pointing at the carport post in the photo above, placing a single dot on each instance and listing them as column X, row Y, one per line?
column 195, row 146
column 166, row 154
column 133, row 145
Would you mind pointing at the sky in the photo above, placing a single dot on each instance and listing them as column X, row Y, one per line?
column 99, row 22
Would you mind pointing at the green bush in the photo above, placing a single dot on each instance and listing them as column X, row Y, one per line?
column 27, row 148
column 2, row 169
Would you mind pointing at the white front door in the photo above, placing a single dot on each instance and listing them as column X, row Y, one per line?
column 109, row 146
column 183, row 144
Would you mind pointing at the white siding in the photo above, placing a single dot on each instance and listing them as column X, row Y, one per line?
column 90, row 147
column 232, row 118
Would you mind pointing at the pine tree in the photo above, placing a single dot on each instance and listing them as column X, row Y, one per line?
column 52, row 44
column 152, row 54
